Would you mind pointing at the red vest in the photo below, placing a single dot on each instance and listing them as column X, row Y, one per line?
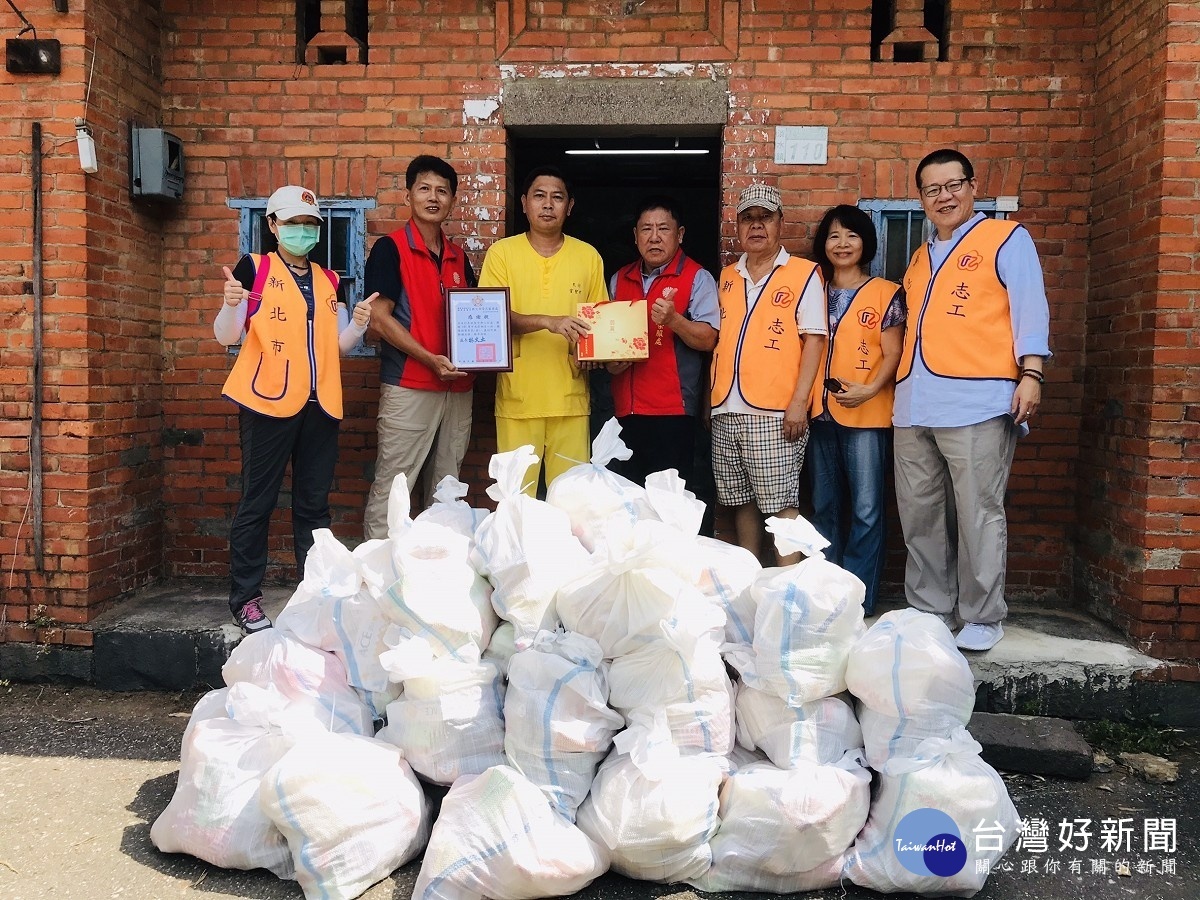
column 423, row 286
column 651, row 387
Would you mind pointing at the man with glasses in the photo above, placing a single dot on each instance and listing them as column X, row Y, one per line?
column 969, row 381
column 770, row 344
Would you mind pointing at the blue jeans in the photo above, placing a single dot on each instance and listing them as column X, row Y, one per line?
column 847, row 466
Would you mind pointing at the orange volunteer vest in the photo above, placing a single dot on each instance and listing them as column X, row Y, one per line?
column 964, row 327
column 854, row 356
column 272, row 374
column 759, row 353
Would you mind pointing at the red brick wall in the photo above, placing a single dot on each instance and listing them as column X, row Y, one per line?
column 1018, row 102
column 102, row 281
column 1016, row 96
column 1139, row 510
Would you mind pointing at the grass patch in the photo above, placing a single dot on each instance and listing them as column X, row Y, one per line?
column 1124, row 737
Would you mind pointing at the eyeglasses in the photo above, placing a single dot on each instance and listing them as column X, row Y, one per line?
column 933, row 190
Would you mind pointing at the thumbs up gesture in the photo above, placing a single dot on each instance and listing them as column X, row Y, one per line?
column 362, row 311
column 663, row 310
column 234, row 292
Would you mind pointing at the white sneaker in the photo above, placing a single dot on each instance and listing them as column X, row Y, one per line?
column 979, row 636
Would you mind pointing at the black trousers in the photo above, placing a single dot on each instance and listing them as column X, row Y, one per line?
column 308, row 440
column 657, row 442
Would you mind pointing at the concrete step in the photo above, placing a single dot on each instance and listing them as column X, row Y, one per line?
column 1053, row 661
column 1034, row 745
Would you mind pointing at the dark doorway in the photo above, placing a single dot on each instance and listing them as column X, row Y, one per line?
column 610, row 174
column 608, row 186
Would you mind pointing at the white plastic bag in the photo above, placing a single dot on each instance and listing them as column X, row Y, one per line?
column 654, row 808
column 351, row 628
column 916, row 684
column 525, row 548
column 726, row 570
column 819, row 732
column 591, row 495
column 450, row 510
column 629, row 588
column 558, row 726
column 785, row 831
column 497, row 837
column 330, row 569
column 948, row 789
column 807, row 617
column 449, row 722
column 727, row 574
column 673, row 503
column 681, row 673
column 214, row 813
column 351, row 809
column 438, row 597
column 399, row 507
column 334, row 610
column 502, row 646
column 314, row 679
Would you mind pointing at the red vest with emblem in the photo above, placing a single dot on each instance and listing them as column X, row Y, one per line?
column 273, row 374
column 854, row 356
column 760, row 352
column 651, row 387
column 964, row 327
column 423, row 285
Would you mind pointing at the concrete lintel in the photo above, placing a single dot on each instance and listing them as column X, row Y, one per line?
column 671, row 105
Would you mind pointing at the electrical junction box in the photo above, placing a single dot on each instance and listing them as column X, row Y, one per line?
column 157, row 165
column 25, row 56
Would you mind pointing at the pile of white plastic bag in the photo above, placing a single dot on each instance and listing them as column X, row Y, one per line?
column 916, row 693
column 564, row 668
column 788, row 815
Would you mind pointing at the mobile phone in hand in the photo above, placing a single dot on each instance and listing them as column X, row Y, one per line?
column 834, row 386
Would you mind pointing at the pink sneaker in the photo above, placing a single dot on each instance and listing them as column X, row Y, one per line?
column 251, row 617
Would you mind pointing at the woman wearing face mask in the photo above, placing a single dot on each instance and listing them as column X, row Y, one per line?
column 852, row 397
column 287, row 381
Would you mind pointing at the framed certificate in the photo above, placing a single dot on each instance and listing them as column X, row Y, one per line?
column 619, row 331
column 478, row 333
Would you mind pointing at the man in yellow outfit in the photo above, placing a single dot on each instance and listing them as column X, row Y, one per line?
column 543, row 401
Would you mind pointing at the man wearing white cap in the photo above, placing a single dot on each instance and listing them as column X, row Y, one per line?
column 772, row 341
column 287, row 382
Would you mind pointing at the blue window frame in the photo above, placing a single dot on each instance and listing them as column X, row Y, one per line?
column 343, row 244
column 901, row 226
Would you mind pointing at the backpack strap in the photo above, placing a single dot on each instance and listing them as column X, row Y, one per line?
column 334, row 277
column 261, row 272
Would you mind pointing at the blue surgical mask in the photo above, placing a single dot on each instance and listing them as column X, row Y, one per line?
column 298, row 239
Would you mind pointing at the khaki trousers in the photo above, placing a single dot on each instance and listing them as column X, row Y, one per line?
column 950, row 485
column 411, row 425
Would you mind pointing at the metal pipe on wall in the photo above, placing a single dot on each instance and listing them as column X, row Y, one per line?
column 35, row 424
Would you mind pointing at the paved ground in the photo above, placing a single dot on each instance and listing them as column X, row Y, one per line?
column 83, row 774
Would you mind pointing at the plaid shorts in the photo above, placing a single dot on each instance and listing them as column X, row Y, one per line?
column 752, row 462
